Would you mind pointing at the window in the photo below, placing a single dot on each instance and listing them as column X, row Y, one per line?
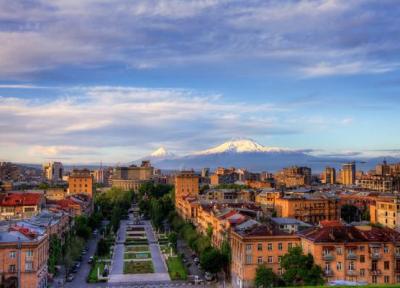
column 11, row 268
column 385, row 249
column 339, row 250
column 362, row 272
column 279, row 259
column 351, row 266
column 386, row 265
column 249, row 259
column 248, row 247
column 28, row 266
column 374, row 279
column 259, row 260
column 362, row 258
column 270, row 259
column 13, row 254
column 339, row 266
column 327, row 266
column 269, row 246
column 29, row 253
column 361, row 248
column 398, row 278
column 259, row 247
column 386, row 279
column 279, row 246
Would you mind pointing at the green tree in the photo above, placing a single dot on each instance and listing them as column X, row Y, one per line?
column 350, row 213
column 82, row 228
column 103, row 247
column 173, row 239
column 55, row 252
column 300, row 269
column 211, row 260
column 265, row 277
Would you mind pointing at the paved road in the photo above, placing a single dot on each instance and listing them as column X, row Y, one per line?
column 83, row 272
column 119, row 249
column 193, row 268
column 158, row 260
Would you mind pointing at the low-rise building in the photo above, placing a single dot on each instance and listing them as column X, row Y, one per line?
column 20, row 205
column 359, row 254
column 253, row 245
column 23, row 256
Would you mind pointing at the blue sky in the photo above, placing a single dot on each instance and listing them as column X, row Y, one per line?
column 84, row 81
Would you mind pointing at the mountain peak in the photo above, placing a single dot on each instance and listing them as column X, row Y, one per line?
column 240, row 145
column 160, row 152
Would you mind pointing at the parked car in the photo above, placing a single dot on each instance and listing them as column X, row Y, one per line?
column 196, row 260
column 77, row 264
column 70, row 277
column 84, row 251
column 209, row 276
column 90, row 261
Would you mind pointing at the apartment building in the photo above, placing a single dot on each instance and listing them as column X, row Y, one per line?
column 23, row 257
column 329, row 176
column 130, row 178
column 20, row 205
column 308, row 208
column 80, row 182
column 361, row 254
column 253, row 244
column 348, row 174
column 381, row 183
column 53, row 171
column 386, row 212
column 293, row 177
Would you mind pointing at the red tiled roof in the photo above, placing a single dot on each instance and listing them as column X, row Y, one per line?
column 20, row 199
column 349, row 234
column 24, row 230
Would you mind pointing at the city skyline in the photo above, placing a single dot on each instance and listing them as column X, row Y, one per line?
column 82, row 86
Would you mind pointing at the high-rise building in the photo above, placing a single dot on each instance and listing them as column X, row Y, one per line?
column 329, row 175
column 382, row 169
column 53, row 171
column 348, row 173
column 205, row 172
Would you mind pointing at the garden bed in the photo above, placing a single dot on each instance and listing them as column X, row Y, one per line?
column 137, row 248
column 139, row 255
column 141, row 267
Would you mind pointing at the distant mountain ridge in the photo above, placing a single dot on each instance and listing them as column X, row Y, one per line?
column 247, row 153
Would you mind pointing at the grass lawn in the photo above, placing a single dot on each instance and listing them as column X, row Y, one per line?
column 92, row 277
column 138, row 267
column 176, row 269
column 137, row 255
column 137, row 248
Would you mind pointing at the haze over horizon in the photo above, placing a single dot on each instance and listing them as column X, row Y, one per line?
column 80, row 84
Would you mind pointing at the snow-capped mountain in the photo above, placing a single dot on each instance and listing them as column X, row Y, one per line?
column 240, row 146
column 247, row 153
column 161, row 153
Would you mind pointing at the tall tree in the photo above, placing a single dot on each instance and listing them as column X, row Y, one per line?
column 265, row 278
column 300, row 269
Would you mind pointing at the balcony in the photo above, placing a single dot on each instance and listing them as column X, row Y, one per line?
column 328, row 273
column 328, row 257
column 351, row 256
column 397, row 255
column 375, row 272
column 375, row 256
column 351, row 272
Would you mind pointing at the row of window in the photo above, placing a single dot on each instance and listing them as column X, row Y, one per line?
column 28, row 253
column 351, row 266
column 260, row 260
column 269, row 247
column 28, row 267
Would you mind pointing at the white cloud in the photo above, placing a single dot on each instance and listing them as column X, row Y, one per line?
column 113, row 120
column 319, row 38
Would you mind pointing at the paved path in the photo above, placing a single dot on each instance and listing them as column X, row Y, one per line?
column 119, row 249
column 158, row 259
column 160, row 269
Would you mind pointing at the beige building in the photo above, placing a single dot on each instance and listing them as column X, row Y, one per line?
column 53, row 171
column 348, row 174
column 386, row 212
